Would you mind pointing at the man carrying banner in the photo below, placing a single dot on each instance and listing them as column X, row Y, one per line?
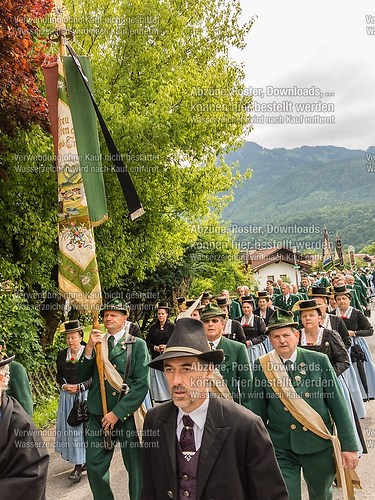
column 296, row 393
column 125, row 364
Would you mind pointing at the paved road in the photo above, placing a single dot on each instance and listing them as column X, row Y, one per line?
column 59, row 486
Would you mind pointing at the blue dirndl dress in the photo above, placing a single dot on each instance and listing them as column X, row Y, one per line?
column 369, row 368
column 70, row 441
column 158, row 386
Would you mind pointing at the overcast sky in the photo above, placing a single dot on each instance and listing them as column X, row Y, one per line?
column 322, row 44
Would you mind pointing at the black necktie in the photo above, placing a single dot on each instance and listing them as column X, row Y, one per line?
column 187, row 441
column 111, row 343
column 212, row 346
column 288, row 367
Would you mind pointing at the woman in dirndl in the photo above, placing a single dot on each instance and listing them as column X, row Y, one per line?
column 156, row 339
column 315, row 336
column 254, row 328
column 70, row 441
column 358, row 327
column 347, row 379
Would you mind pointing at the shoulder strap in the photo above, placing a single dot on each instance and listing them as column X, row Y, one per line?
column 124, row 387
column 280, row 383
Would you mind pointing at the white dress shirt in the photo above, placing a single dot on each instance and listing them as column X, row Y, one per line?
column 199, row 418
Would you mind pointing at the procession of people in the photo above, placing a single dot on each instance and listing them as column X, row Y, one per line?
column 297, row 360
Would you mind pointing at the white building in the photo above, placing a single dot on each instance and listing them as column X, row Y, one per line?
column 275, row 263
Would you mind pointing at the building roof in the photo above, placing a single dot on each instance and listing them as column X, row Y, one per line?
column 262, row 258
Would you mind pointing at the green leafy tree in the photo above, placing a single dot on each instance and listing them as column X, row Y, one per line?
column 174, row 102
column 370, row 249
column 19, row 327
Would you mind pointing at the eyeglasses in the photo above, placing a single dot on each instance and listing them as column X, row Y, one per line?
column 213, row 320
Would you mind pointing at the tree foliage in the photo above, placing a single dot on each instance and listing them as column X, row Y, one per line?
column 21, row 54
column 370, row 249
column 174, row 102
column 20, row 326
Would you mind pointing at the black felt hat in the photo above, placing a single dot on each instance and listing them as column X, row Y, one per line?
column 249, row 299
column 72, row 326
column 190, row 302
column 305, row 305
column 318, row 291
column 162, row 305
column 187, row 340
column 222, row 301
column 341, row 290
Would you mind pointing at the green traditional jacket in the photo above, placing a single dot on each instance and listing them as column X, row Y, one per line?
column 292, row 299
column 235, row 310
column 138, row 380
column 315, row 381
column 354, row 299
column 19, row 387
column 236, row 370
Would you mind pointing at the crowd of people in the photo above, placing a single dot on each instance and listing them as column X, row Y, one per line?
column 246, row 386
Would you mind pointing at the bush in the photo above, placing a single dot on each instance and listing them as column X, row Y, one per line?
column 20, row 327
column 45, row 414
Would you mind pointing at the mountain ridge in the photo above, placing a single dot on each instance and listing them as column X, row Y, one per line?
column 321, row 185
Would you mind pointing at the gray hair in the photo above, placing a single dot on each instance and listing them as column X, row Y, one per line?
column 4, row 371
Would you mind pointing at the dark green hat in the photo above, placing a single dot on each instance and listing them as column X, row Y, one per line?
column 6, row 360
column 281, row 318
column 212, row 311
column 187, row 340
column 116, row 304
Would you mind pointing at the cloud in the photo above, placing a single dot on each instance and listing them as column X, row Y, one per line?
column 298, row 45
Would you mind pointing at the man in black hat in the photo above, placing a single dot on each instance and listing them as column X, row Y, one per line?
column 297, row 394
column 123, row 406
column 23, row 455
column 199, row 446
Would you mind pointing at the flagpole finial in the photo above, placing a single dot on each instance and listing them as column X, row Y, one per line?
column 59, row 17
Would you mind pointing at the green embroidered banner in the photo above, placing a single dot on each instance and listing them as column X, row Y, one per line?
column 87, row 138
column 78, row 270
